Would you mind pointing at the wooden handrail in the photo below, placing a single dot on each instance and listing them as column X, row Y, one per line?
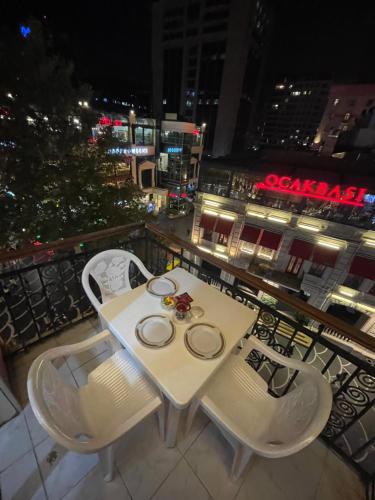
column 70, row 242
column 322, row 317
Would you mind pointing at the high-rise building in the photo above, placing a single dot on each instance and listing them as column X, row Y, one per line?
column 346, row 105
column 208, row 64
column 293, row 113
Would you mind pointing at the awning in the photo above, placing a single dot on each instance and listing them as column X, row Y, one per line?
column 361, row 266
column 270, row 240
column 302, row 249
column 208, row 221
column 224, row 226
column 325, row 256
column 250, row 234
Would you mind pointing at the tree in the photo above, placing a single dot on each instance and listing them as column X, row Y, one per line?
column 52, row 175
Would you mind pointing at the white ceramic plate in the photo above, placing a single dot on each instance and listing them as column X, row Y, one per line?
column 204, row 340
column 156, row 330
column 161, row 286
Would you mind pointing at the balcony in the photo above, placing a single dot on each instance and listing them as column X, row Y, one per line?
column 43, row 305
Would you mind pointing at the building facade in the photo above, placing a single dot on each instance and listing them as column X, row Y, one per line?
column 293, row 113
column 162, row 157
column 208, row 64
column 310, row 232
column 345, row 107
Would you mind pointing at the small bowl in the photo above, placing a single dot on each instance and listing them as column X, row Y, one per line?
column 169, row 306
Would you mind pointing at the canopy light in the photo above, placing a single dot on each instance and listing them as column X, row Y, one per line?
column 280, row 220
column 326, row 244
column 221, row 256
column 351, row 195
column 204, row 249
column 308, row 227
column 227, row 217
column 370, row 243
column 247, row 250
column 256, row 214
column 210, row 212
column 348, row 293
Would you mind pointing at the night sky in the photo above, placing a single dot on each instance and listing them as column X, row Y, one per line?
column 110, row 42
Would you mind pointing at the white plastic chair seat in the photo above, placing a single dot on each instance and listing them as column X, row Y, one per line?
column 243, row 407
column 91, row 418
column 252, row 420
column 117, row 397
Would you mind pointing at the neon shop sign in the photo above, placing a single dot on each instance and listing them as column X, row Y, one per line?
column 350, row 195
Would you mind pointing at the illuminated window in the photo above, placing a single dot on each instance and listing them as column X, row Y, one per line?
column 336, row 101
column 275, row 106
column 347, row 116
column 265, row 253
column 294, row 265
column 222, row 239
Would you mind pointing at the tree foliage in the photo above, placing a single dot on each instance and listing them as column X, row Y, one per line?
column 52, row 177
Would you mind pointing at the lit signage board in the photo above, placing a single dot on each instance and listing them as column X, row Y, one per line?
column 106, row 121
column 133, row 150
column 174, row 149
column 351, row 195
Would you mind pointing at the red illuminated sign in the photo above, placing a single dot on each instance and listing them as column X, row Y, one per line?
column 351, row 195
column 106, row 121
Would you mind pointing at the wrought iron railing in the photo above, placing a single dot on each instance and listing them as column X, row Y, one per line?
column 39, row 299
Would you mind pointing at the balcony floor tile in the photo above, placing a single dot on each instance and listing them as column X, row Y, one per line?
column 93, row 487
column 144, row 461
column 62, row 469
column 14, row 441
column 22, row 480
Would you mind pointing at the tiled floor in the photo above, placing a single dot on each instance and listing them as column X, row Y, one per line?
column 33, row 466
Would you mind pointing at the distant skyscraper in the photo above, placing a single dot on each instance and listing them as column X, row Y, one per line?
column 346, row 105
column 293, row 113
column 208, row 65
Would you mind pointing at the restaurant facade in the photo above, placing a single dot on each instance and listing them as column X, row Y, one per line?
column 308, row 229
column 161, row 157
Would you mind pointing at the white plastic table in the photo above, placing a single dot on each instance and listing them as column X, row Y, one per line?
column 178, row 374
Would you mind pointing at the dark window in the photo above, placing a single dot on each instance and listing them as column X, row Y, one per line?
column 215, row 28
column 317, row 269
column 193, row 12
column 369, row 102
column 172, row 79
column 353, row 281
column 147, row 178
column 207, row 234
column 178, row 11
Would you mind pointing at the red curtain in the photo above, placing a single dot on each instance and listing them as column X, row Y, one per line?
column 270, row 240
column 361, row 266
column 302, row 249
column 224, row 226
column 208, row 221
column 250, row 234
column 325, row 256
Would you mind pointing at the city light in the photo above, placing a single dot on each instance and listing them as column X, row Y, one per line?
column 210, row 212
column 221, row 256
column 204, row 249
column 227, row 217
column 348, row 293
column 370, row 243
column 246, row 250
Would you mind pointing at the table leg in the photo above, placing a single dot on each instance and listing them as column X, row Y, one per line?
column 174, row 416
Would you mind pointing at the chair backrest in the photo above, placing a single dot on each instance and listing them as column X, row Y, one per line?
column 110, row 270
column 56, row 405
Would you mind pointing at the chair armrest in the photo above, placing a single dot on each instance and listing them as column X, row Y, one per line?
column 68, row 350
column 254, row 343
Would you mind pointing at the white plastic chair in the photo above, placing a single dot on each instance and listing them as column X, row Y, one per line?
column 110, row 270
column 90, row 419
column 252, row 420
